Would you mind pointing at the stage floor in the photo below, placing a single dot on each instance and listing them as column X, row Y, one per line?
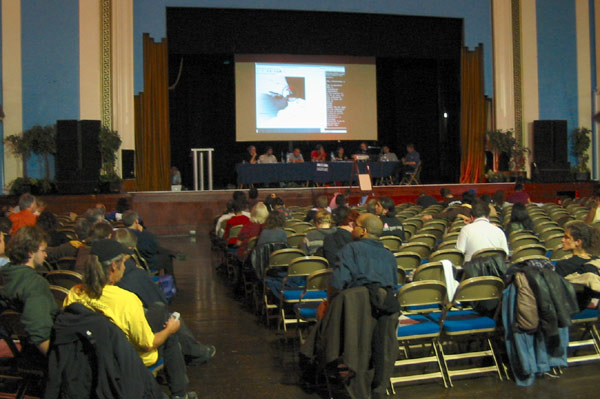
column 180, row 212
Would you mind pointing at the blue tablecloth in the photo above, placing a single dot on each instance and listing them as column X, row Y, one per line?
column 318, row 172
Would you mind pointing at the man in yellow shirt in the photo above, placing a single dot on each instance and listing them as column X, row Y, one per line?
column 99, row 293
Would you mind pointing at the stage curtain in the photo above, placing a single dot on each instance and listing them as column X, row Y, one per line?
column 472, row 124
column 152, row 135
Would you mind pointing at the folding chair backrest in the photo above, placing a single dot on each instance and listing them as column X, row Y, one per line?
column 407, row 260
column 66, row 263
column 140, row 261
column 453, row 255
column 296, row 239
column 481, row 288
column 482, row 253
column 410, row 228
column 251, row 243
column 59, row 294
column 420, row 248
column 551, row 231
column 289, row 231
column 553, row 241
column 301, row 227
column 319, row 280
column 392, row 243
column 401, row 276
column 523, row 240
column 559, row 253
column 448, row 244
column 283, row 257
column 529, row 250
column 306, row 265
column 420, row 293
column 514, row 235
column 234, row 231
column 428, row 239
column 430, row 271
column 64, row 278
column 439, row 223
column 436, row 231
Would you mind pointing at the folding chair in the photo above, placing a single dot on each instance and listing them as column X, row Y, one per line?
column 314, row 293
column 430, row 271
column 392, row 243
column 66, row 263
column 428, row 239
column 416, row 330
column 553, row 241
column 420, row 248
column 289, row 231
column 584, row 333
column 299, row 267
column 64, row 278
column 453, row 255
column 550, row 231
column 559, row 253
column 451, row 235
column 278, row 264
column 485, row 252
column 295, row 240
column 59, row 294
column 28, row 364
column 435, row 230
column 410, row 228
column 522, row 240
column 407, row 261
column 514, row 235
column 412, row 177
column 532, row 251
column 447, row 244
column 301, row 227
column 459, row 326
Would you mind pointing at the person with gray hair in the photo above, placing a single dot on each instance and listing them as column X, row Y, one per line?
column 26, row 215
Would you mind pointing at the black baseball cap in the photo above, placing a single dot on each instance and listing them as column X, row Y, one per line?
column 107, row 249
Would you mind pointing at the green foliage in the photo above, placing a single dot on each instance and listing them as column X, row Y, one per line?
column 504, row 141
column 495, row 177
column 36, row 140
column 110, row 141
column 30, row 185
column 581, row 141
column 110, row 177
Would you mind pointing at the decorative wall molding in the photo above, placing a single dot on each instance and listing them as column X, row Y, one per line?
column 107, row 63
column 516, row 29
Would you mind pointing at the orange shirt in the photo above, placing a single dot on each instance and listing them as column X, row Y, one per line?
column 22, row 218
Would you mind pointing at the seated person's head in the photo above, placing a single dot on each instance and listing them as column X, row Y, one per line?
column 345, row 216
column 372, row 206
column 275, row 220
column 480, row 209
column 5, row 227
column 468, row 197
column 101, row 207
column 122, row 205
column 388, row 207
column 253, row 193
column 237, row 207
column 486, row 198
column 130, row 218
column 239, row 196
column 498, row 197
column 323, row 219
column 445, row 193
column 105, row 265
column 259, row 213
column 100, row 231
column 47, row 221
column 27, row 246
column 82, row 228
column 94, row 215
column 367, row 226
column 519, row 186
column 321, row 202
column 125, row 237
column 340, row 200
column 27, row 201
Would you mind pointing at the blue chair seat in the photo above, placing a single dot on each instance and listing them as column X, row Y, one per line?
column 307, row 310
column 413, row 325
column 464, row 320
column 586, row 314
column 157, row 366
column 294, row 295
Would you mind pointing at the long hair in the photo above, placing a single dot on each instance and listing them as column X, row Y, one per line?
column 519, row 214
column 96, row 274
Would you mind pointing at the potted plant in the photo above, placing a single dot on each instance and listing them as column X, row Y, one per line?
column 109, row 141
column 581, row 143
column 500, row 141
column 495, row 177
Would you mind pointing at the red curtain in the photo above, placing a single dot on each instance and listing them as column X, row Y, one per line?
column 472, row 123
column 152, row 135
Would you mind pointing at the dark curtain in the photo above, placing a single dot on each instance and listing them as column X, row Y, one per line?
column 152, row 135
column 472, row 125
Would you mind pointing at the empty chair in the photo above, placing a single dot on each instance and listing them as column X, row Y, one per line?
column 418, row 247
column 523, row 240
column 551, row 231
column 532, row 251
column 519, row 233
column 435, row 230
column 559, row 253
column 429, row 239
column 301, row 227
column 59, row 294
column 315, row 292
column 453, row 255
column 553, row 241
column 430, row 271
column 410, row 229
column 584, row 328
column 408, row 261
column 451, row 235
column 448, row 244
column 66, row 263
column 417, row 334
column 392, row 243
column 289, row 231
column 295, row 240
column 64, row 278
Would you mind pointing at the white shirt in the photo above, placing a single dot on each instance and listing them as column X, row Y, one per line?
column 478, row 235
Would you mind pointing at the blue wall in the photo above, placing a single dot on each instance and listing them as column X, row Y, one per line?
column 150, row 17
column 557, row 63
column 50, row 66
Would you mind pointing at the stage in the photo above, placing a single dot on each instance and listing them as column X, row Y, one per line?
column 176, row 213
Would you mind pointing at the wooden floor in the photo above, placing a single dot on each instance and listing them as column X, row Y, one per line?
column 251, row 361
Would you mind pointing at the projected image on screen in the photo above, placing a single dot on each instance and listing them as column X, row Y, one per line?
column 305, row 98
column 300, row 98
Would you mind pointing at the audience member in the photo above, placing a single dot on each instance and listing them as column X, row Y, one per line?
column 520, row 195
column 386, row 209
column 371, row 206
column 593, row 215
column 338, row 199
column 321, row 204
column 49, row 223
column 99, row 231
column 273, row 229
column 122, row 207
column 237, row 219
column 258, row 215
column 5, row 226
column 268, row 156
column 488, row 200
column 26, row 215
column 519, row 219
column 252, row 197
column 480, row 233
column 99, row 293
column 498, row 199
column 24, row 290
column 448, row 198
column 426, row 200
column 295, row 156
column 463, row 211
column 175, row 176
column 313, row 242
column 73, row 248
column 345, row 219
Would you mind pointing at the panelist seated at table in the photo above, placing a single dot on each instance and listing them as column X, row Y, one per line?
column 387, row 156
column 295, row 156
column 339, row 155
column 411, row 159
column 268, row 156
column 318, row 155
column 251, row 156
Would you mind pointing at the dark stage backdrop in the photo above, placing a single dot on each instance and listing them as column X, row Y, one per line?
column 418, row 70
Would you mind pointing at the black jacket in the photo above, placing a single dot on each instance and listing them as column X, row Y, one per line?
column 139, row 282
column 90, row 357
column 486, row 266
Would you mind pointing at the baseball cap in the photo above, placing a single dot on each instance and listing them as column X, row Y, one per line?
column 107, row 249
